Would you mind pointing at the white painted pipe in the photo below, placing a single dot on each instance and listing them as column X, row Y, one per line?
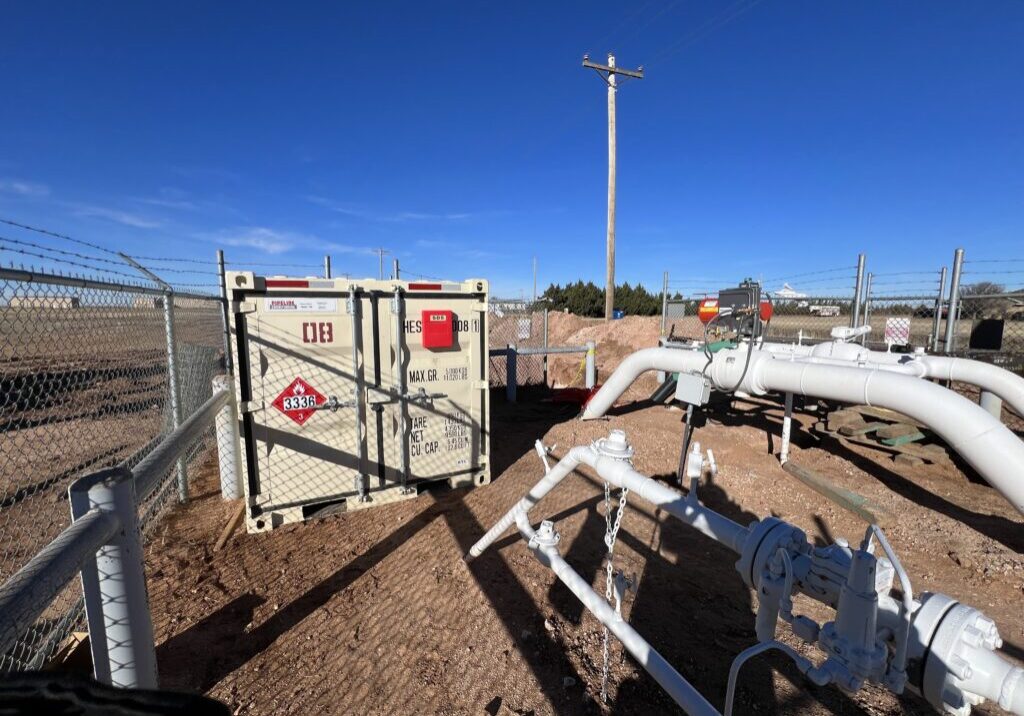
column 229, row 447
column 621, row 474
column 681, row 690
column 990, row 378
column 993, row 450
column 633, row 366
column 708, row 522
column 990, row 448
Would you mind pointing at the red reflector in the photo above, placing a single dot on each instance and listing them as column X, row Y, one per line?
column 286, row 283
column 424, row 287
column 707, row 309
column 766, row 310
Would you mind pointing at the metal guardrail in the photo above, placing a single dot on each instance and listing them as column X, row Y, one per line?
column 512, row 352
column 104, row 544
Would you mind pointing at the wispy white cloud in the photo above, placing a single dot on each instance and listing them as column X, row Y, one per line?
column 359, row 212
column 169, row 198
column 24, row 188
column 127, row 218
column 262, row 238
column 348, row 249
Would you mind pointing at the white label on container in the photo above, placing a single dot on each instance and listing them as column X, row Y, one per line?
column 301, row 305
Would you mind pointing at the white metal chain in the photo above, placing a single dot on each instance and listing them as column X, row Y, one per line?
column 610, row 535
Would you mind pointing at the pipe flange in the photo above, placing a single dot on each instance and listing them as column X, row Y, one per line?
column 545, row 536
column 614, row 446
column 948, row 664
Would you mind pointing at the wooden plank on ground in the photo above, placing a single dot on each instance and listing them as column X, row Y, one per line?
column 897, row 430
column 231, row 526
column 864, row 429
column 901, row 440
column 928, row 453
column 857, row 504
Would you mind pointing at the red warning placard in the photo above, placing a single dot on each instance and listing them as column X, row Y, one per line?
column 299, row 400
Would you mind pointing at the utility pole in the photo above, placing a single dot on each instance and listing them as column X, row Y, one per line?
column 380, row 256
column 609, row 74
column 535, row 279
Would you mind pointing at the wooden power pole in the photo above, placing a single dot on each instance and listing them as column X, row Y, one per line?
column 609, row 73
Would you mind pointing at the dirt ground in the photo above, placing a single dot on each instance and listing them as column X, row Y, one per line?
column 374, row 612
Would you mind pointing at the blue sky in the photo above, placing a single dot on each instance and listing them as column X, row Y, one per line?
column 767, row 138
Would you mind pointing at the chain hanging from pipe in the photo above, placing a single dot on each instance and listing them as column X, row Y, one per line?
column 610, row 535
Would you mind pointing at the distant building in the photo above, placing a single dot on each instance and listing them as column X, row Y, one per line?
column 44, row 302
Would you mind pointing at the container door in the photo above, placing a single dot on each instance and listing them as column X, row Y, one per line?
column 441, row 412
column 302, row 361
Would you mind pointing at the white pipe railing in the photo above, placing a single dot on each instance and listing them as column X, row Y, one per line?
column 104, row 544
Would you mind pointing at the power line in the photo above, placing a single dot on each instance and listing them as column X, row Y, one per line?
column 704, row 29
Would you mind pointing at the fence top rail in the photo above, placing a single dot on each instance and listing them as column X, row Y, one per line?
column 151, row 468
column 982, row 296
column 10, row 274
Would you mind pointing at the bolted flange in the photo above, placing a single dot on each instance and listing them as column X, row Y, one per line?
column 546, row 535
column 614, row 446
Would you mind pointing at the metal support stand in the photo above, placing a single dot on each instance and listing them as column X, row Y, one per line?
column 591, row 363
column 510, row 373
column 114, row 585
column 787, row 426
column 174, row 388
column 992, row 403
column 545, row 359
column 229, row 448
column 687, row 437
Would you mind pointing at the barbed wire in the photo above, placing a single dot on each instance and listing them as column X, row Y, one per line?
column 54, row 234
column 812, row 273
column 86, row 257
column 172, row 260
column 270, row 265
column 90, row 267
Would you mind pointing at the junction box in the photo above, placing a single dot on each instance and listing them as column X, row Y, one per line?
column 353, row 394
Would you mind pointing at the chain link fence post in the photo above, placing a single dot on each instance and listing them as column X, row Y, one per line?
column 937, row 317
column 954, row 301
column 858, row 292
column 664, row 301
column 225, row 318
column 114, row 584
column 174, row 387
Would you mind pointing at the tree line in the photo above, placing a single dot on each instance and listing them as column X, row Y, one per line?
column 587, row 299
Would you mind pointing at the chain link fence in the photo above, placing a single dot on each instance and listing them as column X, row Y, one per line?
column 520, row 323
column 84, row 384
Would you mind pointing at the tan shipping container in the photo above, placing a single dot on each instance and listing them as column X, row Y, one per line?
column 331, row 419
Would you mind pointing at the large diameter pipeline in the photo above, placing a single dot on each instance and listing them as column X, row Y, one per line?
column 990, row 378
column 984, row 442
column 633, row 366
